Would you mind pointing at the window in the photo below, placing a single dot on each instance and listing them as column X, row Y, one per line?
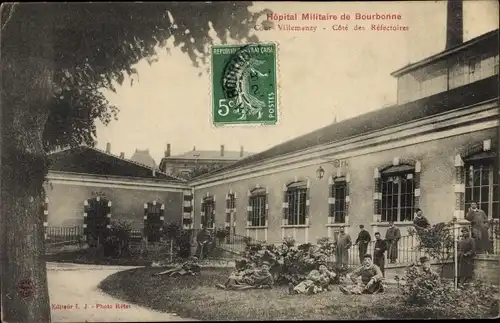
column 338, row 209
column 230, row 205
column 474, row 69
column 496, row 64
column 397, row 194
column 208, row 208
column 481, row 186
column 257, row 202
column 232, row 201
column 296, row 197
column 153, row 223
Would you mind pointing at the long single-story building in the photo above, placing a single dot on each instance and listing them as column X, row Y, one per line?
column 85, row 181
column 435, row 150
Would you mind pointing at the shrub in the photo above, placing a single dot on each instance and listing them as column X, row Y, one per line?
column 180, row 238
column 290, row 263
column 436, row 241
column 117, row 242
column 422, row 297
column 221, row 233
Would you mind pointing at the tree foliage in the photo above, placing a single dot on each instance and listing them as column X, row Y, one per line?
column 436, row 241
column 98, row 44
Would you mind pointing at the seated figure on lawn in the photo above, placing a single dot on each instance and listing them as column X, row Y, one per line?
column 371, row 279
column 190, row 267
column 317, row 280
column 427, row 270
column 250, row 278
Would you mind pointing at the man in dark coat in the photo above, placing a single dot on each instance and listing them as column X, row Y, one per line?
column 202, row 238
column 362, row 241
column 343, row 245
column 480, row 225
column 466, row 253
column 420, row 221
column 379, row 253
column 392, row 237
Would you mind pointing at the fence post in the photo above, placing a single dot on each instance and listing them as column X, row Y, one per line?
column 455, row 251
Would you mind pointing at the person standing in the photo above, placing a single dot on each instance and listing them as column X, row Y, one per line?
column 344, row 243
column 362, row 241
column 392, row 237
column 420, row 221
column 202, row 239
column 479, row 224
column 466, row 252
column 379, row 252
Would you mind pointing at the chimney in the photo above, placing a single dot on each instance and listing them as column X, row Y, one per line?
column 167, row 152
column 241, row 151
column 222, row 150
column 108, row 148
column 122, row 155
column 454, row 23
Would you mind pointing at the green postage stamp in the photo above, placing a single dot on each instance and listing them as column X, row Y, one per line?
column 244, row 81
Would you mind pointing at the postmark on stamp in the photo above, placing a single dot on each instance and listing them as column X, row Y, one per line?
column 244, row 84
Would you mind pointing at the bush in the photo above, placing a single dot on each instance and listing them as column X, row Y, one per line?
column 436, row 241
column 180, row 238
column 291, row 264
column 117, row 242
column 422, row 297
column 221, row 233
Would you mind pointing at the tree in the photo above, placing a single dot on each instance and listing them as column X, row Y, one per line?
column 54, row 59
column 436, row 241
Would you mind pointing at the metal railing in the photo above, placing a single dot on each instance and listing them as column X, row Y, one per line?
column 408, row 250
column 62, row 235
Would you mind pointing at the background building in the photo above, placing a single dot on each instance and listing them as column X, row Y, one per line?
column 435, row 149
column 144, row 157
column 197, row 162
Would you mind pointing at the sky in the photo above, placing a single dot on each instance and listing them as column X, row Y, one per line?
column 322, row 75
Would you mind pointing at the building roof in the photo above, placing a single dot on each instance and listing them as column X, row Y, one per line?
column 143, row 157
column 457, row 98
column 89, row 160
column 210, row 154
column 489, row 39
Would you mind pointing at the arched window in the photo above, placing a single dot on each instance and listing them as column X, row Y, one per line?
column 208, row 212
column 296, row 196
column 481, row 183
column 338, row 200
column 257, row 207
column 397, row 191
column 153, row 220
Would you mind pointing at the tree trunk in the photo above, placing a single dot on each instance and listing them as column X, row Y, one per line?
column 26, row 90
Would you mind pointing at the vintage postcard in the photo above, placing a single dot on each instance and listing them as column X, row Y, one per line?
column 198, row 161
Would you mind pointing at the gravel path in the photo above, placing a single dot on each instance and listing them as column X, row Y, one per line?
column 74, row 297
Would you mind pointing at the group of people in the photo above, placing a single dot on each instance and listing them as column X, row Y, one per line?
column 248, row 275
column 390, row 244
column 372, row 269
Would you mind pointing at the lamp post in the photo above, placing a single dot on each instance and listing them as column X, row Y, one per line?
column 320, row 172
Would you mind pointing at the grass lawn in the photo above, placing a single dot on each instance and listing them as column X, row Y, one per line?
column 196, row 297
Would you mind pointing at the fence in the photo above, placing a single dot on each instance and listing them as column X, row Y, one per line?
column 408, row 250
column 63, row 235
